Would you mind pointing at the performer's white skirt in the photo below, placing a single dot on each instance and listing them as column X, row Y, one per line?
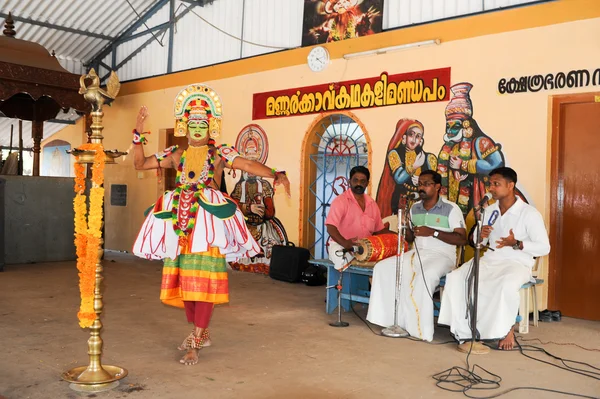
column 415, row 307
column 157, row 238
column 498, row 301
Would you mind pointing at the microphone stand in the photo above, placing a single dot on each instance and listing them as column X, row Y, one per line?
column 339, row 322
column 396, row 331
column 475, row 346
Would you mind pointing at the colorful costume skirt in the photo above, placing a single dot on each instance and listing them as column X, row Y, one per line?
column 195, row 267
column 195, row 277
column 157, row 238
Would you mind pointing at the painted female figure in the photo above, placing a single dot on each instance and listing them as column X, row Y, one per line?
column 404, row 164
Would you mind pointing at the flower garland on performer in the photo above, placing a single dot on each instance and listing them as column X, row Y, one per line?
column 88, row 230
column 189, row 216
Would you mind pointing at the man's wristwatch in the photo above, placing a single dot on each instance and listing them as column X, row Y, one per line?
column 436, row 234
column 517, row 245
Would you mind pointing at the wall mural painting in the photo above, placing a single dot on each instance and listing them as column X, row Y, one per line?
column 333, row 20
column 468, row 154
column 255, row 198
column 466, row 157
column 405, row 161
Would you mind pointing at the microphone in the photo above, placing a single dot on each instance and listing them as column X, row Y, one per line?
column 484, row 200
column 413, row 195
column 355, row 248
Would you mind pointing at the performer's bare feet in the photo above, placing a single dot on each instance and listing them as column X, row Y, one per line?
column 508, row 342
column 206, row 344
column 185, row 344
column 190, row 358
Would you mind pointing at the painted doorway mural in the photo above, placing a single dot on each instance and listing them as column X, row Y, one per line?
column 338, row 143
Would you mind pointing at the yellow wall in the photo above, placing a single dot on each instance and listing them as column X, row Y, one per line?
column 518, row 121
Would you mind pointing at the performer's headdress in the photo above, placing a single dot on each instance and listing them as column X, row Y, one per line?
column 198, row 102
column 330, row 4
column 460, row 106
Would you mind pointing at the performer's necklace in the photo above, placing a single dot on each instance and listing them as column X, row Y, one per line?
column 196, row 166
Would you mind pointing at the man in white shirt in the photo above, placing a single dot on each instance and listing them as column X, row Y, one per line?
column 438, row 228
column 515, row 233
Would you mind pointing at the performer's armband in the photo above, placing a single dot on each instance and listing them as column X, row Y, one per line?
column 138, row 138
column 162, row 155
column 228, row 153
column 277, row 172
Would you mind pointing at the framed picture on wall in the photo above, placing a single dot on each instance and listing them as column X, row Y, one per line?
column 334, row 20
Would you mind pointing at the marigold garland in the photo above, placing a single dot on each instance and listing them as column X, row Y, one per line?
column 88, row 230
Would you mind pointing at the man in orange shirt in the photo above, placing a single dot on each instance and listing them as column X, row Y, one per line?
column 352, row 216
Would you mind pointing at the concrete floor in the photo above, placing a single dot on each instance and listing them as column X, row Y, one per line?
column 272, row 341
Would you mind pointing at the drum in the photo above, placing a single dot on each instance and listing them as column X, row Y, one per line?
column 376, row 248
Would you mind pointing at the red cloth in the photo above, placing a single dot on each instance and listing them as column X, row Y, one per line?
column 198, row 313
column 349, row 218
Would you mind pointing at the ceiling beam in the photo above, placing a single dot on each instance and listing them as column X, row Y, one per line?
column 129, row 31
column 150, row 40
column 200, row 3
column 57, row 27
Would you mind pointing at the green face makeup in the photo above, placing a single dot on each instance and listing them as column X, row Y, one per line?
column 198, row 130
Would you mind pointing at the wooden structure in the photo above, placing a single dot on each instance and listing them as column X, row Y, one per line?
column 34, row 86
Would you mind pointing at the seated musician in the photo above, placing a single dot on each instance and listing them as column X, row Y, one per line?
column 438, row 228
column 514, row 233
column 352, row 216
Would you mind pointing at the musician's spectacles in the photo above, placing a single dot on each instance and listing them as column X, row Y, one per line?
column 426, row 183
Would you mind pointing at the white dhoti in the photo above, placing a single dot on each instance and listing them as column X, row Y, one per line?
column 415, row 307
column 498, row 303
column 338, row 256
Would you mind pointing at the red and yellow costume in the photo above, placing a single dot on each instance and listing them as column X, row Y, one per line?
column 196, row 228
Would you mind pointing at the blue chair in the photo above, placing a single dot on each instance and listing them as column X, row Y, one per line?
column 528, row 296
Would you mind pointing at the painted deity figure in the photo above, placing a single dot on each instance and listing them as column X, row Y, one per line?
column 344, row 20
column 196, row 228
column 254, row 195
column 468, row 154
column 405, row 162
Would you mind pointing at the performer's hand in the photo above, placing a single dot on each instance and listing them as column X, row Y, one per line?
column 348, row 244
column 423, row 231
column 142, row 115
column 508, row 241
column 485, row 231
column 281, row 178
column 257, row 209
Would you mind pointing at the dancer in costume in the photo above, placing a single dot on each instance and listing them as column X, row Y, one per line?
column 196, row 228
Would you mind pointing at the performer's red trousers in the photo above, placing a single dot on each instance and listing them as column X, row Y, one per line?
column 198, row 312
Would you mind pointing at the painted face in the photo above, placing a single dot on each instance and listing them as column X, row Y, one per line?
column 500, row 187
column 427, row 187
column 198, row 130
column 342, row 6
column 358, row 183
column 453, row 127
column 414, row 138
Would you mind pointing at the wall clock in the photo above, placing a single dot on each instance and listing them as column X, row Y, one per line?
column 318, row 59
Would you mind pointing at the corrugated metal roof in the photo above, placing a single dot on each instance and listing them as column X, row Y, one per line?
column 105, row 18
